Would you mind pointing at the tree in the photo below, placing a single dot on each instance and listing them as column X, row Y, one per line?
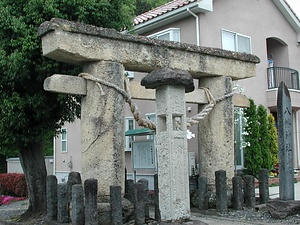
column 253, row 157
column 146, row 5
column 273, row 140
column 28, row 114
column 264, row 137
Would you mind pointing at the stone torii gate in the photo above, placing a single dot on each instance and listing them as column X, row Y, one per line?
column 105, row 53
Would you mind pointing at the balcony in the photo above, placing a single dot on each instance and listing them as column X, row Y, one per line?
column 289, row 76
column 291, row 79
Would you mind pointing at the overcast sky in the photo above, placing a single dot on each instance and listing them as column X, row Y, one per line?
column 295, row 4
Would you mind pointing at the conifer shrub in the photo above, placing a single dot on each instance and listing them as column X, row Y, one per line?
column 273, row 145
column 253, row 156
column 264, row 137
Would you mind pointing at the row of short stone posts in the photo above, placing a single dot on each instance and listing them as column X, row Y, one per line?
column 243, row 191
column 138, row 194
column 82, row 201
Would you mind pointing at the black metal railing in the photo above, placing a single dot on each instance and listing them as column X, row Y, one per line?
column 289, row 76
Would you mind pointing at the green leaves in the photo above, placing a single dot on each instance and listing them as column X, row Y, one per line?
column 28, row 113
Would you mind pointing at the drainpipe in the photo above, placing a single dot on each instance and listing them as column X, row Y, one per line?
column 54, row 155
column 197, row 26
column 297, row 137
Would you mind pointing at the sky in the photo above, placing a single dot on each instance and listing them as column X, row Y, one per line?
column 295, row 5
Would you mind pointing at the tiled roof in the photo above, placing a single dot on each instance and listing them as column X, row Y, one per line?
column 170, row 6
column 175, row 4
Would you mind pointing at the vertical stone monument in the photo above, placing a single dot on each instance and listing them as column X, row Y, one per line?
column 285, row 144
column 172, row 152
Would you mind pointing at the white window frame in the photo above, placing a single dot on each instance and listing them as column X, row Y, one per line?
column 64, row 140
column 236, row 35
column 239, row 122
column 172, row 31
column 150, row 116
column 129, row 139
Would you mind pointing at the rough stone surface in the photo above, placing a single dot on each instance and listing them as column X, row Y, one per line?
column 216, row 133
column 139, row 204
column 73, row 178
column 61, row 40
column 62, row 203
column 90, row 193
column 116, row 205
column 202, row 193
column 237, row 196
column 172, row 153
column 105, row 215
column 249, row 191
column 166, row 76
column 51, row 195
column 281, row 209
column 263, row 177
column 285, row 144
column 77, row 205
column 221, row 191
column 102, row 129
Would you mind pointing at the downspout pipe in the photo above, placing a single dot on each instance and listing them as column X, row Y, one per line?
column 297, row 137
column 197, row 26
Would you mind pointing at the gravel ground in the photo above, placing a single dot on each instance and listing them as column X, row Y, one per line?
column 11, row 212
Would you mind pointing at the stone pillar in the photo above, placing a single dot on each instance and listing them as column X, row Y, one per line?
column 90, row 194
column 237, row 195
column 51, row 194
column 102, row 127
column 202, row 195
column 221, row 191
column 263, row 177
column 249, row 191
column 77, row 205
column 216, row 133
column 62, row 203
column 285, row 144
column 171, row 132
column 116, row 205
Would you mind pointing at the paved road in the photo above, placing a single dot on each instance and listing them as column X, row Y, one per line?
column 274, row 191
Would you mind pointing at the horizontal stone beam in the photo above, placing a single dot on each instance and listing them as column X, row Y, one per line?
column 65, row 84
column 77, row 43
column 77, row 86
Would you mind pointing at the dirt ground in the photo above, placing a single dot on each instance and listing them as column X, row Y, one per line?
column 9, row 215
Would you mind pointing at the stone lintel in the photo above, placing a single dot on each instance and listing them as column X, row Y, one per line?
column 166, row 76
column 240, row 100
column 77, row 43
column 65, row 84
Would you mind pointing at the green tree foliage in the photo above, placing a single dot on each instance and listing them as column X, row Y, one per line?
column 146, row 5
column 28, row 114
column 253, row 156
column 264, row 137
column 273, row 140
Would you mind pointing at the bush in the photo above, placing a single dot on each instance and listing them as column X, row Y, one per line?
column 13, row 184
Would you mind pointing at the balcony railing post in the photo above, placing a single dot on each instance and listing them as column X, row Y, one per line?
column 289, row 76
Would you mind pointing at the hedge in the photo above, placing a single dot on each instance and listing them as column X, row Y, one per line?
column 13, row 184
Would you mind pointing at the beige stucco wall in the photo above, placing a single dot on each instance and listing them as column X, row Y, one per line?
column 259, row 19
column 66, row 162
column 14, row 165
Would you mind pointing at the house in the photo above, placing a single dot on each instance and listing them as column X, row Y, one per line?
column 266, row 28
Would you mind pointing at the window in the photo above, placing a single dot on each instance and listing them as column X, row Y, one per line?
column 152, row 118
column 129, row 125
column 235, row 42
column 171, row 34
column 239, row 144
column 63, row 137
